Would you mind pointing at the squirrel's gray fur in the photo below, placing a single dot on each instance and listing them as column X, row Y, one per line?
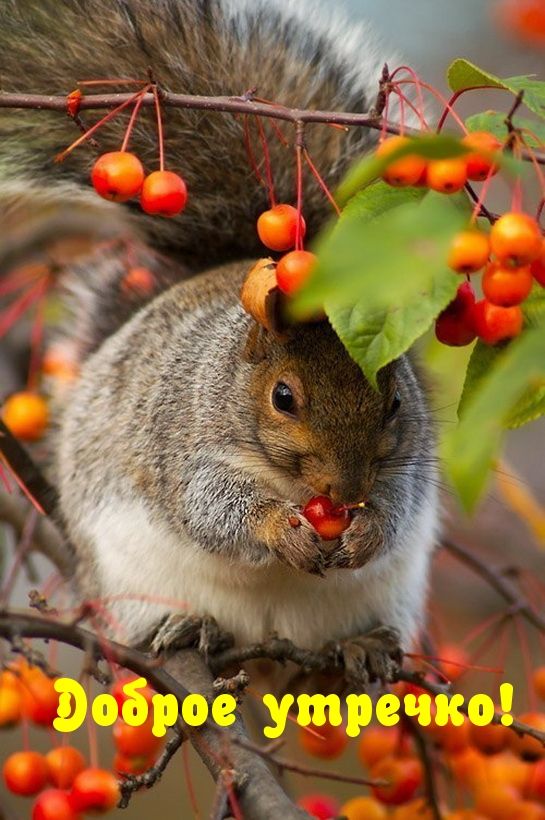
column 177, row 477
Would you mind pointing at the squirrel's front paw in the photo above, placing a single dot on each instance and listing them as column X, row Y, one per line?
column 370, row 657
column 291, row 538
column 359, row 543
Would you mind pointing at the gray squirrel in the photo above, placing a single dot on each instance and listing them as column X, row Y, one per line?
column 188, row 442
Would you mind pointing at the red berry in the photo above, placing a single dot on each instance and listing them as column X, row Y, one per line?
column 163, row 193
column 535, row 785
column 53, row 804
column 329, row 520
column 454, row 660
column 495, row 324
column 320, row 806
column 117, row 175
column 132, row 741
column 277, row 227
column 404, row 171
column 506, row 286
column 455, row 326
column 469, row 251
column 526, row 747
column 538, row 266
column 40, row 699
column 489, row 739
column 479, row 166
column 331, row 743
column 133, row 765
column 138, row 281
column 446, row 175
column 120, row 697
column 64, row 764
column 516, row 239
column 294, row 270
column 25, row 773
column 538, row 682
column 403, row 777
column 95, row 790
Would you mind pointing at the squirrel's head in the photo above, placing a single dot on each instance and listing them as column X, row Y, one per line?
column 320, row 420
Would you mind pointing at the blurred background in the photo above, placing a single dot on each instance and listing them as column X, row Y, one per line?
column 506, row 39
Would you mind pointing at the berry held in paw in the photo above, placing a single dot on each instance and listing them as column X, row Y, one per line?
column 329, row 520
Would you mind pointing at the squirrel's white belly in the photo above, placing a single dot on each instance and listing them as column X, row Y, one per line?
column 145, row 571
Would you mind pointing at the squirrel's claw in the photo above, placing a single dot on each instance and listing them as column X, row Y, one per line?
column 375, row 656
column 183, row 631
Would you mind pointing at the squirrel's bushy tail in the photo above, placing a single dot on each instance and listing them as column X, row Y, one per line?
column 295, row 53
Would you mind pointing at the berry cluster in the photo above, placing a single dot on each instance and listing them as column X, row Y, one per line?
column 63, row 784
column 281, row 228
column 512, row 255
column 119, row 176
column 493, row 770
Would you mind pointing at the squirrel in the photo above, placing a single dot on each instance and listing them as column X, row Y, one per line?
column 190, row 441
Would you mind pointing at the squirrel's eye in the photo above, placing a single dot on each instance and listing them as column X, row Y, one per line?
column 394, row 407
column 283, row 399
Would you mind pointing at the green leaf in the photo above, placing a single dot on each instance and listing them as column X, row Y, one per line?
column 462, row 74
column 494, row 121
column 376, row 338
column 384, row 255
column 429, row 146
column 501, row 380
column 533, row 307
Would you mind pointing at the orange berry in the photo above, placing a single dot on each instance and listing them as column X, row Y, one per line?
column 535, row 782
column 489, row 739
column 516, row 239
column 294, row 270
column 132, row 741
column 10, row 706
column 117, row 175
column 495, row 324
column 378, row 742
column 58, row 363
column 446, row 175
column 330, row 745
column 526, row 810
column 418, row 809
column 479, row 166
column 320, row 806
column 117, row 691
column 26, row 415
column 133, row 765
column 526, row 747
column 54, row 804
column 538, row 681
column 465, row 814
column 164, row 193
column 453, row 660
column 95, row 790
column 277, row 227
column 404, row 171
column 403, row 777
column 496, row 800
column 469, row 251
column 505, row 767
column 450, row 738
column 40, row 700
column 138, row 280
column 469, row 768
column 506, row 286
column 64, row 763
column 25, row 773
column 363, row 808
column 525, row 19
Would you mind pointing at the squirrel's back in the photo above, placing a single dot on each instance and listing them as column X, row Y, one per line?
column 296, row 53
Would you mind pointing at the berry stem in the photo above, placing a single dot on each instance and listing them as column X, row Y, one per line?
column 132, row 119
column 442, row 99
column 403, row 99
column 321, row 182
column 418, row 84
column 36, row 339
column 250, row 152
column 90, row 131
column 159, row 128
column 91, row 729
column 267, row 160
column 299, row 145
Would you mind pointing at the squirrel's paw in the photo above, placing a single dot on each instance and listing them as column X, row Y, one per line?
column 182, row 631
column 375, row 656
column 293, row 540
column 360, row 542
